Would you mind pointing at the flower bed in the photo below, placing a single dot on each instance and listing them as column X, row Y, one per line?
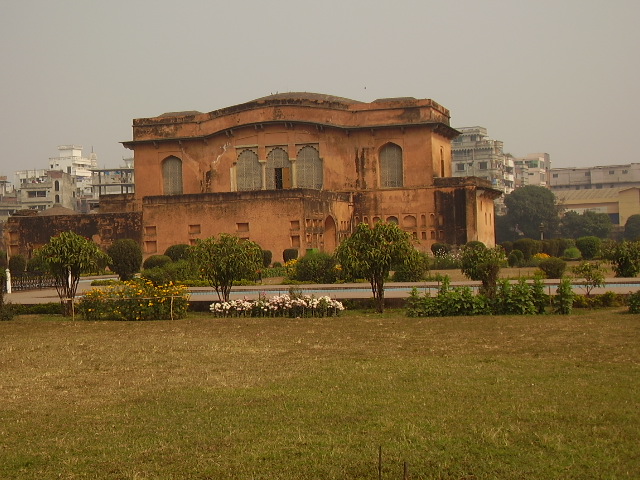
column 279, row 306
column 135, row 300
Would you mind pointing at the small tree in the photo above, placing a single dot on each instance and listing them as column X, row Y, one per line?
column 592, row 274
column 224, row 259
column 126, row 258
column 370, row 252
column 483, row 264
column 67, row 256
column 624, row 257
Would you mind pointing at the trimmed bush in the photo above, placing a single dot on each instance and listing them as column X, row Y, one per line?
column 553, row 267
column 589, row 247
column 266, row 258
column 528, row 246
column 516, row 258
column 439, row 248
column 156, row 261
column 413, row 271
column 290, row 254
column 177, row 252
column 316, row 267
column 126, row 258
column 571, row 253
column 17, row 264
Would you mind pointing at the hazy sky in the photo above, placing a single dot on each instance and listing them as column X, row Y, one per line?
column 555, row 76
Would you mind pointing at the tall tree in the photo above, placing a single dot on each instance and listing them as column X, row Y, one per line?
column 587, row 224
column 224, row 259
column 532, row 211
column 370, row 252
column 67, row 256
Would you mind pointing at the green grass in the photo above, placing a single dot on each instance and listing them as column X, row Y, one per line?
column 543, row 397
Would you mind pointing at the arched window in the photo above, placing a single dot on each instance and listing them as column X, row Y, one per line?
column 309, row 168
column 172, row 176
column 248, row 171
column 391, row 166
column 278, row 169
column 56, row 186
column 57, row 200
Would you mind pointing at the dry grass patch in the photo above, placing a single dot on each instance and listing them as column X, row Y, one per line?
column 482, row 397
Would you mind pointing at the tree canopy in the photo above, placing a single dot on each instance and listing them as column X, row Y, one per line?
column 632, row 228
column 587, row 224
column 221, row 260
column 530, row 209
column 67, row 256
column 370, row 252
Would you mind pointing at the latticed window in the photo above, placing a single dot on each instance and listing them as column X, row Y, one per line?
column 391, row 166
column 309, row 168
column 278, row 169
column 248, row 171
column 172, row 176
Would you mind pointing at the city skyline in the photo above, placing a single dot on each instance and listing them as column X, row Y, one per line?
column 553, row 77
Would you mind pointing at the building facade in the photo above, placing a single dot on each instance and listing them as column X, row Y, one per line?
column 610, row 189
column 300, row 170
column 477, row 155
column 532, row 169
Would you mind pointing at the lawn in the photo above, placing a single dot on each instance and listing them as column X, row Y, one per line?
column 536, row 397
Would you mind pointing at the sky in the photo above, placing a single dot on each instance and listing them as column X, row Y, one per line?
column 554, row 76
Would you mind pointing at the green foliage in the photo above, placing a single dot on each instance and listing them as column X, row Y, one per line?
column 632, row 228
column 553, row 267
column 563, row 301
column 445, row 261
column 266, row 258
column 412, row 271
column 571, row 253
column 528, row 246
column 530, row 207
column 592, row 275
column 516, row 258
column 135, row 300
column 514, row 299
column 36, row 264
column 370, row 252
column 316, row 267
column 177, row 252
column 540, row 298
column 221, row 260
column 181, row 271
column 483, row 264
column 440, row 248
column 624, row 257
column 17, row 264
column 508, row 247
column 155, row 261
column 3, row 260
column 449, row 302
column 552, row 247
column 634, row 302
column 67, row 256
column 126, row 258
column 587, row 224
column 289, row 254
column 589, row 247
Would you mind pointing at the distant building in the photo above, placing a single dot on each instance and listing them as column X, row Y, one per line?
column 42, row 189
column 477, row 155
column 532, row 169
column 610, row 189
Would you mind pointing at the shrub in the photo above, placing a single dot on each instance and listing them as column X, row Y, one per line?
column 563, row 301
column 36, row 264
column 439, row 248
column 126, row 258
column 135, row 300
column 156, row 261
column 177, row 252
column 316, row 267
column 290, row 254
column 291, row 305
column 589, row 247
column 508, row 246
column 175, row 272
column 446, row 261
column 483, row 264
column 553, row 267
column 266, row 258
column 450, row 301
column 552, row 247
column 571, row 253
column 592, row 275
column 516, row 258
column 624, row 257
column 412, row 271
column 528, row 246
column 634, row 302
column 17, row 264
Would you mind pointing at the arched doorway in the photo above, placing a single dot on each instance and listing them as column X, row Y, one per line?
column 329, row 235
